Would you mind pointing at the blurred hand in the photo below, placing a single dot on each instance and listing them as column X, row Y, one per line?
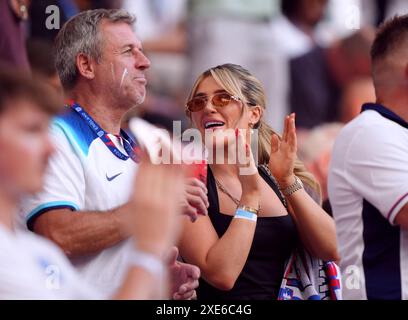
column 194, row 201
column 155, row 208
column 283, row 154
column 183, row 277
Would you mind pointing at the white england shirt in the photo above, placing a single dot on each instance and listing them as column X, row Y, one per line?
column 84, row 175
column 368, row 186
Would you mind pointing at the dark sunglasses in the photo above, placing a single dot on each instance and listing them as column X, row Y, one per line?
column 221, row 99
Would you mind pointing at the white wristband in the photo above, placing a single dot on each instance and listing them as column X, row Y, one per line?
column 149, row 262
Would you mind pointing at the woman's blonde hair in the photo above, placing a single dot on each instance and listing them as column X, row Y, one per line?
column 240, row 82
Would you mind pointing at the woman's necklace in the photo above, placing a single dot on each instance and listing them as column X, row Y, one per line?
column 222, row 188
column 225, row 191
column 237, row 202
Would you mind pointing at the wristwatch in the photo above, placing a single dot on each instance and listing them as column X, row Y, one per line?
column 288, row 191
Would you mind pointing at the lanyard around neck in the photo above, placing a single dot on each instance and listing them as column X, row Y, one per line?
column 130, row 146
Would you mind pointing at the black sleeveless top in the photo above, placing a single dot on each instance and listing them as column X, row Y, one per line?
column 274, row 240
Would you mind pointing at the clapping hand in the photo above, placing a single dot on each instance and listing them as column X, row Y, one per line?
column 283, row 153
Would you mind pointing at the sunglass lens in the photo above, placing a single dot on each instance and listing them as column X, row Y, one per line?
column 221, row 100
column 197, row 104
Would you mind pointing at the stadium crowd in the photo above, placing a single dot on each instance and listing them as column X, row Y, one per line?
column 204, row 149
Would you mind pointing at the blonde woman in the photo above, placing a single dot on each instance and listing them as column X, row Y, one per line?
column 255, row 221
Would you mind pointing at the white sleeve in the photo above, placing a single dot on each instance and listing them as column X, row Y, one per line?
column 18, row 283
column 376, row 165
column 64, row 183
column 33, row 268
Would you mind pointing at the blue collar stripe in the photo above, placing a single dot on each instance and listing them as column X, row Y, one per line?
column 131, row 148
column 386, row 113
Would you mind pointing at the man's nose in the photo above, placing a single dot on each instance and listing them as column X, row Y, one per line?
column 142, row 62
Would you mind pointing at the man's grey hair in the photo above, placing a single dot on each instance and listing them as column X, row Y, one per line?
column 80, row 35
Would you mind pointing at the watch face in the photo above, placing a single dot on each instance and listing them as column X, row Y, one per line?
column 20, row 8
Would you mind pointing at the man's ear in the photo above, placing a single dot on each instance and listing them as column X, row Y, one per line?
column 85, row 66
column 255, row 114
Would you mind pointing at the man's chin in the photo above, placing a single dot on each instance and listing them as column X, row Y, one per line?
column 131, row 102
column 138, row 100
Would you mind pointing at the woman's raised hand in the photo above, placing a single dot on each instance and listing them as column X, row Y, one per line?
column 247, row 170
column 283, row 153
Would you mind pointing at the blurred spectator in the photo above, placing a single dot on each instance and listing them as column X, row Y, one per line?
column 315, row 151
column 376, row 11
column 355, row 94
column 314, row 94
column 347, row 16
column 223, row 31
column 349, row 58
column 42, row 62
column 13, row 14
column 319, row 79
column 312, row 90
column 295, row 29
column 34, row 268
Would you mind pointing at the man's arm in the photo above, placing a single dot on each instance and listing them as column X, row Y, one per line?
column 85, row 232
column 81, row 233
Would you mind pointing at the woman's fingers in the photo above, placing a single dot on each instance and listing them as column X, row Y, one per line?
column 197, row 203
column 292, row 139
column 198, row 191
column 285, row 129
column 191, row 212
column 197, row 183
column 275, row 143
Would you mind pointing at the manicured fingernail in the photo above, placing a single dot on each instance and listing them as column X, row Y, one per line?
column 247, row 148
column 236, row 132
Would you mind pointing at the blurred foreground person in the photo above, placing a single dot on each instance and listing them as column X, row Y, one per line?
column 368, row 179
column 13, row 16
column 34, row 268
